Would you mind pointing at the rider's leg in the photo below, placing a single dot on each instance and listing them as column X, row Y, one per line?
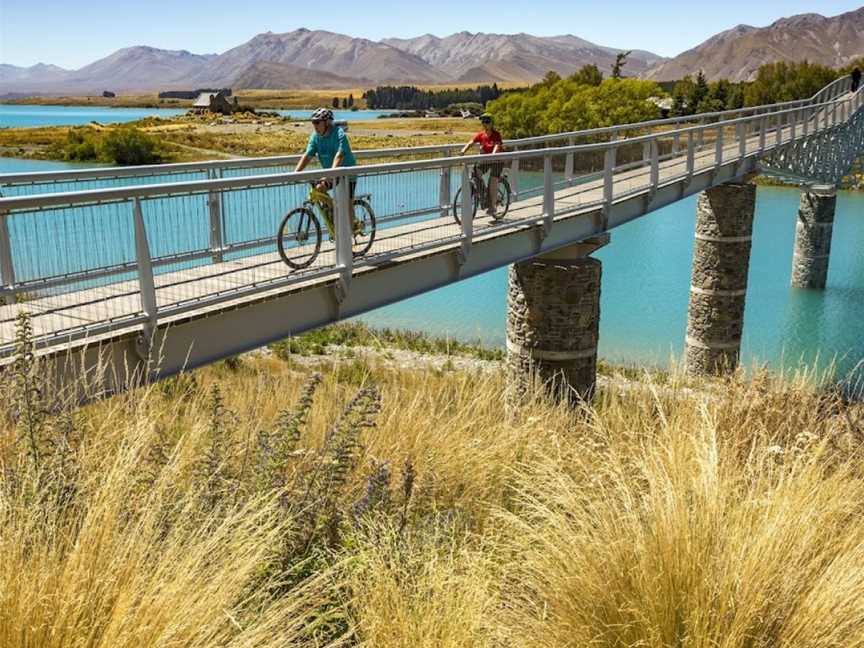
column 352, row 188
column 493, row 194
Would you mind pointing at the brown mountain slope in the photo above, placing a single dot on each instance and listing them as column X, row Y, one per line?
column 736, row 54
column 324, row 51
column 270, row 76
column 481, row 57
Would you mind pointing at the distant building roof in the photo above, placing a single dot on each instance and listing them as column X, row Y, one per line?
column 203, row 100
column 664, row 103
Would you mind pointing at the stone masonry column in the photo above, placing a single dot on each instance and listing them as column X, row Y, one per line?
column 813, row 237
column 553, row 319
column 721, row 258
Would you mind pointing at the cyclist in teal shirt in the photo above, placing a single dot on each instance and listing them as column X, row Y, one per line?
column 330, row 145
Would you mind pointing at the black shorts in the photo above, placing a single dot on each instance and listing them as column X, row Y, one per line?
column 495, row 169
column 352, row 185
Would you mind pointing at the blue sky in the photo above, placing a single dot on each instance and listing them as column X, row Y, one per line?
column 72, row 33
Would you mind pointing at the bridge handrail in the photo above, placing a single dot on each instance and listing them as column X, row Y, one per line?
column 131, row 240
column 833, row 89
column 10, row 203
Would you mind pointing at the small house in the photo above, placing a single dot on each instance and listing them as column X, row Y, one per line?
column 214, row 102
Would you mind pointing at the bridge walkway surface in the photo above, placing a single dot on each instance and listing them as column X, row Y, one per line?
column 189, row 270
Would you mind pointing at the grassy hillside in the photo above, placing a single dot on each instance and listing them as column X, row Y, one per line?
column 261, row 503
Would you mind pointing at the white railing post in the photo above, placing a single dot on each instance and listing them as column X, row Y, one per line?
column 608, row 183
column 7, row 267
column 467, row 213
column 778, row 130
column 214, row 204
column 568, row 161
column 548, row 194
column 718, row 147
column 655, row 164
column 146, row 284
column 805, row 121
column 691, row 154
column 344, row 234
column 444, row 191
column 792, row 125
column 742, row 139
column 676, row 143
column 514, row 176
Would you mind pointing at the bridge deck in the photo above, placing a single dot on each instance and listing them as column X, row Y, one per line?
column 70, row 312
column 112, row 309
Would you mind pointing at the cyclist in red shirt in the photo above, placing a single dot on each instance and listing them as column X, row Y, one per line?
column 490, row 142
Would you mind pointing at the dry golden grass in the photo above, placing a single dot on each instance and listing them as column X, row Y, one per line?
column 182, row 141
column 699, row 514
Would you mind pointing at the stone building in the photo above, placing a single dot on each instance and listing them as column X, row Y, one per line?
column 214, row 102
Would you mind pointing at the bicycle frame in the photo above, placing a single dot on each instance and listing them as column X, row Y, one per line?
column 324, row 203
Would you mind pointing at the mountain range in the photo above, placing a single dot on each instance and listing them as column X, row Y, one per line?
column 737, row 53
column 322, row 59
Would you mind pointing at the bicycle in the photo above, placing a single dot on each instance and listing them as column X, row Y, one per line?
column 478, row 188
column 303, row 227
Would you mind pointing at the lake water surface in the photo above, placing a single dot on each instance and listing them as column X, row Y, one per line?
column 18, row 115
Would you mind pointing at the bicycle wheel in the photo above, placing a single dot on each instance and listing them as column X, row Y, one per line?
column 503, row 202
column 457, row 204
column 299, row 238
column 364, row 228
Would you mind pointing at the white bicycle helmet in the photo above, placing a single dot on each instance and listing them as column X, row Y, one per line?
column 322, row 114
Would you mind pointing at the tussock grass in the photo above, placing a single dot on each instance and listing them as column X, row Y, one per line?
column 253, row 503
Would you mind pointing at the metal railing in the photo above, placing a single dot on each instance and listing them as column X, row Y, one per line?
column 89, row 262
column 98, row 178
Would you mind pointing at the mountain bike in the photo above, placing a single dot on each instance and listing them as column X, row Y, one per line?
column 480, row 196
column 299, row 236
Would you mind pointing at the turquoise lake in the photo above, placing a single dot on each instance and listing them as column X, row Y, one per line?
column 26, row 116
column 646, row 275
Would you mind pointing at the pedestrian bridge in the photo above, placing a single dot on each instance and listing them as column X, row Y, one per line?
column 174, row 266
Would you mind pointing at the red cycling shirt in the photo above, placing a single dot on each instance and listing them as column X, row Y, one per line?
column 488, row 142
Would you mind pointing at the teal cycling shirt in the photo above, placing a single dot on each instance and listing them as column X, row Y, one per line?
column 326, row 147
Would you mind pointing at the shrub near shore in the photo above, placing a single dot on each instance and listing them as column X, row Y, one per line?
column 252, row 503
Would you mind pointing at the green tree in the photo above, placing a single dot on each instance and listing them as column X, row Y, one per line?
column 782, row 81
column 335, row 102
column 587, row 75
column 698, row 93
column 566, row 106
column 130, row 146
column 681, row 94
column 551, row 78
column 618, row 65
column 350, row 100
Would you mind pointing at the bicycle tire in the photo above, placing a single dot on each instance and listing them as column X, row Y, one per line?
column 504, row 195
column 361, row 248
column 303, row 220
column 457, row 204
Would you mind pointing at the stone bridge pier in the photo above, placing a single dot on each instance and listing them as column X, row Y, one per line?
column 718, row 286
column 813, row 231
column 553, row 320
